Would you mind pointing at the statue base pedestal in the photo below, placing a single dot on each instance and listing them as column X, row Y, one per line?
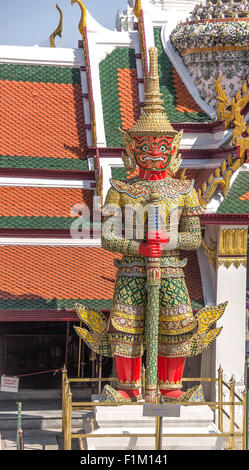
column 129, row 420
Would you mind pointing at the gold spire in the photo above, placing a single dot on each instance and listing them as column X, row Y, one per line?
column 153, row 120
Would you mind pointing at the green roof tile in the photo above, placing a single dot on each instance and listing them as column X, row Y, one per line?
column 52, row 304
column 64, row 304
column 15, row 161
column 50, row 223
column 39, row 73
column 232, row 204
column 165, row 68
column 120, row 58
column 119, row 173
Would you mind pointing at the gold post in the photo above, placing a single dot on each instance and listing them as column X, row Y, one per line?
column 64, row 376
column 244, row 437
column 220, row 397
column 68, row 428
column 65, row 406
column 232, row 385
column 79, row 353
column 65, row 421
column 157, row 427
column 143, row 381
column 100, row 375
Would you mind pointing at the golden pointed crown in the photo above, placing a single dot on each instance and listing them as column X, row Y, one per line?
column 153, row 120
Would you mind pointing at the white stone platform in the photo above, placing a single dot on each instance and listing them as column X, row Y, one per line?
column 129, row 420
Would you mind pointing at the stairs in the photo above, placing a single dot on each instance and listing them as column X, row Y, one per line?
column 41, row 423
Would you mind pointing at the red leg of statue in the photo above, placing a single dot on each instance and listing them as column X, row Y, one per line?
column 170, row 370
column 128, row 373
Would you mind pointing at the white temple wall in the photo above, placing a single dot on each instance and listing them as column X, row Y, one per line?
column 230, row 345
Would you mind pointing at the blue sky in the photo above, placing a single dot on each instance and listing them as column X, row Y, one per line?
column 30, row 22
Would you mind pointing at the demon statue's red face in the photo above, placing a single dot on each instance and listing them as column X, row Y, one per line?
column 153, row 153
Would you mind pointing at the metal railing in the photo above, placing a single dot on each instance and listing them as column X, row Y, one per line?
column 234, row 400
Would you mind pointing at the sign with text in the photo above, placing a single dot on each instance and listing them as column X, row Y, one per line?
column 161, row 410
column 9, row 384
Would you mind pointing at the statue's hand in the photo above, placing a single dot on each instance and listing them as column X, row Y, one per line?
column 152, row 250
column 153, row 246
column 157, row 236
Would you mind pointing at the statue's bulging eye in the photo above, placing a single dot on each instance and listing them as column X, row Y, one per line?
column 145, row 148
column 163, row 148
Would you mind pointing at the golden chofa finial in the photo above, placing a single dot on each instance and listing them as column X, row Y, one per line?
column 58, row 30
column 153, row 120
column 82, row 23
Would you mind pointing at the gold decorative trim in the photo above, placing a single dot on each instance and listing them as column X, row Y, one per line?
column 220, row 177
column 222, row 99
column 237, row 261
column 229, row 111
column 82, row 29
column 82, row 22
column 58, row 30
column 210, row 252
column 233, row 242
column 166, row 385
column 98, row 172
column 226, row 109
column 233, row 247
column 138, row 12
column 129, row 385
column 137, row 9
column 215, row 48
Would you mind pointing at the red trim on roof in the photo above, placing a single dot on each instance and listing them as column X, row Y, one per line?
column 224, row 219
column 37, row 315
column 44, row 173
column 42, row 233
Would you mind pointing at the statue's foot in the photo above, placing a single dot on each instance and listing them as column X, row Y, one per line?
column 192, row 394
column 116, row 396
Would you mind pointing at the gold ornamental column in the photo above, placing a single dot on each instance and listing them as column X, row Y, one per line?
column 233, row 247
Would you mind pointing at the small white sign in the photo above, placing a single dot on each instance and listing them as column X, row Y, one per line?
column 161, row 410
column 9, row 384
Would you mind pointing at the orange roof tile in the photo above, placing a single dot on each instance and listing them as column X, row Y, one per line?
column 41, row 119
column 65, row 273
column 56, row 272
column 184, row 100
column 245, row 197
column 37, row 201
column 128, row 97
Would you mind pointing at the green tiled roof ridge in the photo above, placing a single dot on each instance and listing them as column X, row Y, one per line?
column 62, row 304
column 119, row 173
column 232, row 204
column 120, row 58
column 46, row 163
column 40, row 73
column 167, row 87
column 52, row 304
column 40, row 222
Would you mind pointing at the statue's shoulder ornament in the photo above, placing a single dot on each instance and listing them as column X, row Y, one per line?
column 167, row 188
